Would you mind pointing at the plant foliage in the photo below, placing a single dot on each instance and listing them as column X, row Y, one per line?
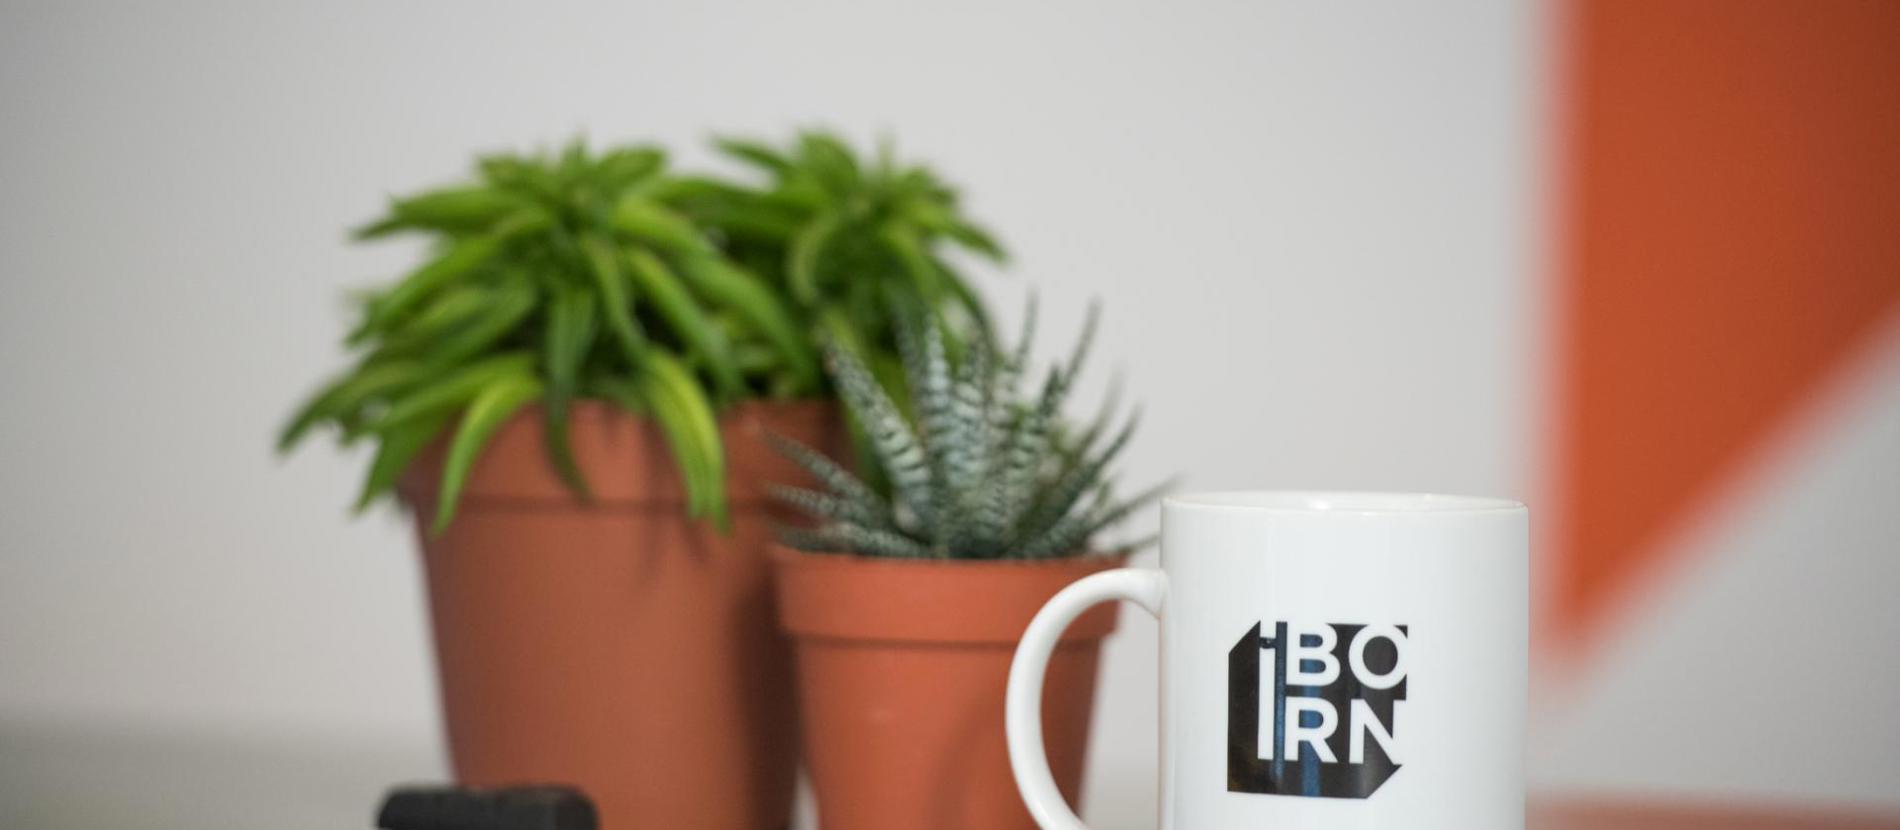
column 846, row 238
column 982, row 471
column 578, row 275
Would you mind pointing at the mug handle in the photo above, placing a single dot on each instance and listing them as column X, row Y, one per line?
column 1022, row 713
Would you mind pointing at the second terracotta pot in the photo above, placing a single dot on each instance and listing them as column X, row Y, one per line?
column 902, row 666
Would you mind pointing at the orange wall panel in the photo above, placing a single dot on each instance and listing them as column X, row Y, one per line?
column 1733, row 234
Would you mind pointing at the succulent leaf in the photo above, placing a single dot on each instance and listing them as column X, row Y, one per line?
column 834, row 508
column 899, row 453
column 849, row 537
column 981, row 474
column 836, row 479
column 1061, row 496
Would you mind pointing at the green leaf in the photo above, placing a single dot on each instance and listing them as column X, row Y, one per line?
column 574, row 158
column 615, row 305
column 507, row 309
column 493, row 407
column 753, row 153
column 901, row 242
column 978, row 240
column 686, row 418
column 802, row 260
column 698, row 190
column 525, row 175
column 688, row 321
column 749, row 298
column 454, row 210
column 754, row 359
column 461, row 258
column 840, row 332
column 830, row 159
column 450, row 391
column 451, row 308
column 570, row 334
column 733, row 212
column 651, row 222
column 623, row 168
column 345, row 395
column 938, row 218
column 396, row 448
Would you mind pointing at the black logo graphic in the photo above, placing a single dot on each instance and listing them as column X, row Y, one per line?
column 1336, row 690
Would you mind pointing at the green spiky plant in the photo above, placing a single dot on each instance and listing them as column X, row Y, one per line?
column 983, row 472
column 561, row 277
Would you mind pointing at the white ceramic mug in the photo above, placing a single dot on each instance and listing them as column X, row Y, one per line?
column 1328, row 661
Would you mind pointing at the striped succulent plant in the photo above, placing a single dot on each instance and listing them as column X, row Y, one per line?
column 983, row 471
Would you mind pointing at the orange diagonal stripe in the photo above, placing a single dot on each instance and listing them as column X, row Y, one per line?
column 1734, row 233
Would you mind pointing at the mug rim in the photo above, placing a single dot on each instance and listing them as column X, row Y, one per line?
column 1340, row 502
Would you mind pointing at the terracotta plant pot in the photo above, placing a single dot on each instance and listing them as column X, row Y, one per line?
column 617, row 645
column 902, row 666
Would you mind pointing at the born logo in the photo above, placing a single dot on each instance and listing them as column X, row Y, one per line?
column 1335, row 705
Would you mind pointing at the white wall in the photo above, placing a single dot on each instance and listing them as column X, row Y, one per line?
column 1312, row 225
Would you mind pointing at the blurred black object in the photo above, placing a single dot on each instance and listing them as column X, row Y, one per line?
column 513, row 808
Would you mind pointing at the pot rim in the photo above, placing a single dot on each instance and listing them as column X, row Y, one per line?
column 624, row 456
column 932, row 602
column 782, row 552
